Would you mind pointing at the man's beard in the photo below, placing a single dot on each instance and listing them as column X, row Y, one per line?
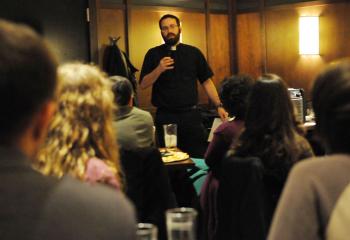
column 171, row 41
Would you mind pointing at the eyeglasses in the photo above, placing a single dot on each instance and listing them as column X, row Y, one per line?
column 166, row 28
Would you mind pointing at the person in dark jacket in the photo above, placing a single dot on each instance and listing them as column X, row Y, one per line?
column 34, row 206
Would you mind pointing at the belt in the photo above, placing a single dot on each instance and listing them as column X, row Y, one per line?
column 177, row 110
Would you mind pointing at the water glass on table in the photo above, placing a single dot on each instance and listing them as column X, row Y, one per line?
column 170, row 135
column 146, row 231
column 181, row 223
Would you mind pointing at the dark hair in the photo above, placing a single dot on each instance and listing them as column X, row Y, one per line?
column 331, row 103
column 169, row 16
column 122, row 90
column 233, row 94
column 270, row 124
column 27, row 78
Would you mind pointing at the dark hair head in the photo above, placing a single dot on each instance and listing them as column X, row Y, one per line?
column 331, row 103
column 270, row 124
column 270, row 107
column 169, row 16
column 27, row 78
column 122, row 90
column 233, row 94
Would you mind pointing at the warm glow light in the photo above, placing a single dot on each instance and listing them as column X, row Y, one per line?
column 309, row 43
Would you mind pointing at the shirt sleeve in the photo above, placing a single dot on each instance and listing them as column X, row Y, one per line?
column 296, row 213
column 203, row 69
column 98, row 171
column 216, row 151
column 148, row 64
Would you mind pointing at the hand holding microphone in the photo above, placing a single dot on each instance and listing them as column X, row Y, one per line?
column 166, row 63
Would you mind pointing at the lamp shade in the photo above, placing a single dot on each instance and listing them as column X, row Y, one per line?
column 309, row 42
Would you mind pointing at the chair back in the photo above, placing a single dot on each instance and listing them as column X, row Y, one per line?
column 241, row 199
column 147, row 185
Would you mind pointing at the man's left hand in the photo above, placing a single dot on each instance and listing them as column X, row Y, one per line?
column 222, row 113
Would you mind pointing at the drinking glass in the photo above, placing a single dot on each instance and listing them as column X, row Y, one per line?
column 170, row 135
column 146, row 231
column 181, row 223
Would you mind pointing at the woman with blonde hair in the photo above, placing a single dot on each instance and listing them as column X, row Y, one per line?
column 81, row 140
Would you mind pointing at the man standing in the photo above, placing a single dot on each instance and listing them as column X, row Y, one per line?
column 172, row 69
column 134, row 126
column 33, row 206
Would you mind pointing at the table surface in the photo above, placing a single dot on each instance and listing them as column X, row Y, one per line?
column 179, row 164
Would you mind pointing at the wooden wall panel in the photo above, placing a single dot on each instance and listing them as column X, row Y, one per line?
column 335, row 31
column 110, row 23
column 282, row 42
column 219, row 56
column 249, row 44
column 144, row 34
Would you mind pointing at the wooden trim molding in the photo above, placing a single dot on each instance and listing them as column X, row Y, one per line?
column 233, row 36
column 263, row 35
column 126, row 25
column 93, row 17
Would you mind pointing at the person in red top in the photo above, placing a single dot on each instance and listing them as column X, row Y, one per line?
column 233, row 94
column 81, row 140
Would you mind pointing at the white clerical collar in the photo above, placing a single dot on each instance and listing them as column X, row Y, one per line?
column 173, row 48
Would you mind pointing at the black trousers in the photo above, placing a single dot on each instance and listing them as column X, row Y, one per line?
column 191, row 133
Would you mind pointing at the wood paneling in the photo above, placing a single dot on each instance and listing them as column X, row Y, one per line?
column 282, row 42
column 219, row 57
column 335, row 31
column 110, row 23
column 249, row 44
column 144, row 34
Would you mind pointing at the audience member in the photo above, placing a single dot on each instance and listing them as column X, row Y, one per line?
column 34, row 206
column 134, row 127
column 271, row 135
column 81, row 140
column 233, row 94
column 315, row 201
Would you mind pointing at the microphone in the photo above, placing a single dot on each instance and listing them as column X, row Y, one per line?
column 171, row 53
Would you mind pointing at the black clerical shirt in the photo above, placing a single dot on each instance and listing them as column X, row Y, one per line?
column 176, row 88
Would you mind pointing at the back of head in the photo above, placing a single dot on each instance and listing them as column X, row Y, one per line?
column 27, row 78
column 331, row 103
column 122, row 89
column 233, row 94
column 270, row 125
column 269, row 106
column 82, row 127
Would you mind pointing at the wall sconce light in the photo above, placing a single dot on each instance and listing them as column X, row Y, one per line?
column 309, row 42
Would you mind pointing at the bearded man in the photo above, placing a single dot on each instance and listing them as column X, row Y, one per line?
column 172, row 69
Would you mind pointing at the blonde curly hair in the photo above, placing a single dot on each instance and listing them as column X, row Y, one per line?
column 82, row 126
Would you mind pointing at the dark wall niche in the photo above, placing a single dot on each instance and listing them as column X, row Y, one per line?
column 62, row 22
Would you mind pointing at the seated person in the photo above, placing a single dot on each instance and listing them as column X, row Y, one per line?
column 34, row 206
column 271, row 135
column 233, row 94
column 134, row 127
column 315, row 201
column 81, row 140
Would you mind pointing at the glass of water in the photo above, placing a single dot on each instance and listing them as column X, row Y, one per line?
column 146, row 231
column 181, row 223
column 170, row 135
